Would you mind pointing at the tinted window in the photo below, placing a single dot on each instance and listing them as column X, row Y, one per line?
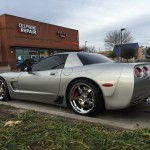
column 88, row 59
column 26, row 63
column 52, row 62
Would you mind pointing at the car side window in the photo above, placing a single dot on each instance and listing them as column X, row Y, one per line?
column 51, row 62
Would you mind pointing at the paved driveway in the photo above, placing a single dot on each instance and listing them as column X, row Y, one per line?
column 131, row 118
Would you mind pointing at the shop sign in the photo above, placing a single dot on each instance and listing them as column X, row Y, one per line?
column 62, row 34
column 25, row 28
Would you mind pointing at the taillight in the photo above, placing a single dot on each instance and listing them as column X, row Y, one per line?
column 145, row 71
column 138, row 72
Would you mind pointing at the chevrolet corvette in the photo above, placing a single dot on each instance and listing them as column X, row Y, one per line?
column 88, row 83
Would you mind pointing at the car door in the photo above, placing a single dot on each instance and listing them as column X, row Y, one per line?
column 42, row 83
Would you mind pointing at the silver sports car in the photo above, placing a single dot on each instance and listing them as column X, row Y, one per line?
column 87, row 83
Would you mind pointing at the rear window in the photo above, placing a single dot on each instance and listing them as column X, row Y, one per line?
column 88, row 58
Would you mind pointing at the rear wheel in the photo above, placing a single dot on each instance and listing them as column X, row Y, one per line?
column 85, row 98
column 4, row 94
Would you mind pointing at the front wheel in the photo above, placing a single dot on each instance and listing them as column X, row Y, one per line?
column 85, row 98
column 4, row 94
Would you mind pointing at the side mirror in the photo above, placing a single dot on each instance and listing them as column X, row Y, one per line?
column 29, row 69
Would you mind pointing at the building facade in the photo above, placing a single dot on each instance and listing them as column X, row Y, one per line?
column 140, row 53
column 22, row 39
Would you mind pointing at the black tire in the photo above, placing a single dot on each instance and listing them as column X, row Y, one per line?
column 4, row 93
column 85, row 98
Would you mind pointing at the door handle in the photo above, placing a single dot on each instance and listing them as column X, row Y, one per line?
column 53, row 73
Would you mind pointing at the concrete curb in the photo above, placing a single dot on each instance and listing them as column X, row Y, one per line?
column 58, row 111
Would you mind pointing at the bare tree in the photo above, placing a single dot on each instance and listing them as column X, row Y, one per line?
column 90, row 49
column 114, row 38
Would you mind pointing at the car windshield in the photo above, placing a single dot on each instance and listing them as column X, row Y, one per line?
column 88, row 58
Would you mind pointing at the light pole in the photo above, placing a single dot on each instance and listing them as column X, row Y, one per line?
column 121, row 41
column 85, row 44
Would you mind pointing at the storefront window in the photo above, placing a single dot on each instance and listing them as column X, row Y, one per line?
column 24, row 54
column 43, row 53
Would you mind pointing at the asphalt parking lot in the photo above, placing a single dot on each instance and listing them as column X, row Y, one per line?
column 131, row 118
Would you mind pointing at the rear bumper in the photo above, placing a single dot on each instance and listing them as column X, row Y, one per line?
column 141, row 90
column 130, row 89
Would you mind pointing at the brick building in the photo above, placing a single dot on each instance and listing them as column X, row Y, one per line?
column 22, row 39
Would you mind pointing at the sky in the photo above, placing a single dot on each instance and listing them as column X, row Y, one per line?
column 94, row 19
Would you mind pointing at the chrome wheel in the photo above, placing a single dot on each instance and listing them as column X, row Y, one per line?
column 2, row 89
column 82, row 98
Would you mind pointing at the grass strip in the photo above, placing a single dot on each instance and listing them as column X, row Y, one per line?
column 40, row 131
